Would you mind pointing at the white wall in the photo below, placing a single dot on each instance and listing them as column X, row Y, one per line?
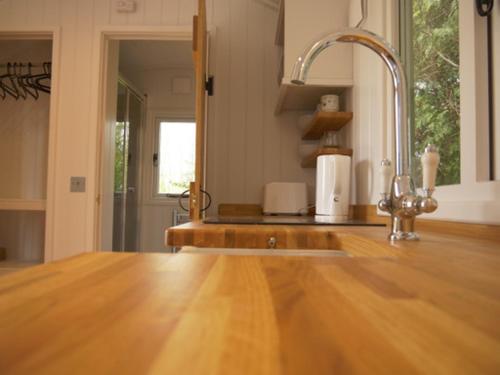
column 371, row 101
column 247, row 145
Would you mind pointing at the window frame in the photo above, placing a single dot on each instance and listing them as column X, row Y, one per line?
column 476, row 198
column 155, row 117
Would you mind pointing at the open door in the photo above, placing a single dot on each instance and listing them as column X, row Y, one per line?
column 196, row 199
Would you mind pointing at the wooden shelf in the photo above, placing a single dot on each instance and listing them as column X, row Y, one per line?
column 306, row 98
column 325, row 121
column 310, row 161
column 22, row 204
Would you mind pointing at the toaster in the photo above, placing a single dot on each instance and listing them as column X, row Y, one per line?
column 285, row 198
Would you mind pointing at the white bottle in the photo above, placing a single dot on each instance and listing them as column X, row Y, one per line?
column 333, row 183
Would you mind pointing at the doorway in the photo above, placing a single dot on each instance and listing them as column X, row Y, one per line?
column 146, row 80
column 25, row 133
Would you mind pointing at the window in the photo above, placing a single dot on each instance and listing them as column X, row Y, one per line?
column 430, row 49
column 475, row 197
column 174, row 156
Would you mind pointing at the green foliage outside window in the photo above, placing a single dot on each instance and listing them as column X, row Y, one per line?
column 436, row 83
column 119, row 154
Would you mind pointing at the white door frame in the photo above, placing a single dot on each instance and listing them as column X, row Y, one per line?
column 53, row 34
column 102, row 38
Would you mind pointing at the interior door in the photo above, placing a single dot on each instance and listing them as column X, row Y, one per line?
column 196, row 199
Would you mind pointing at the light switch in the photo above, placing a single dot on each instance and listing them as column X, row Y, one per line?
column 77, row 184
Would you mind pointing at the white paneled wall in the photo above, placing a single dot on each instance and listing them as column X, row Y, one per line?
column 373, row 118
column 247, row 145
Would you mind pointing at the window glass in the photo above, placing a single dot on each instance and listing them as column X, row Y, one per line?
column 432, row 39
column 120, row 130
column 176, row 149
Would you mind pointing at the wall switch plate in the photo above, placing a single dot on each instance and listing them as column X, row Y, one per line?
column 77, row 185
column 125, row 6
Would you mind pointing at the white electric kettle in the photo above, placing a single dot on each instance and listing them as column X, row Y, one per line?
column 333, row 183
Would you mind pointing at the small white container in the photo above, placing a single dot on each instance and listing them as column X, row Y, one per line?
column 333, row 181
column 330, row 103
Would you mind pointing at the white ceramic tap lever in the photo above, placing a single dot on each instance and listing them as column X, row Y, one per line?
column 385, row 177
column 430, row 162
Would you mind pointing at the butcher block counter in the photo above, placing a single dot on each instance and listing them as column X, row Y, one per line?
column 428, row 307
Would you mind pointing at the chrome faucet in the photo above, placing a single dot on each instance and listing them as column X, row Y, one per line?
column 399, row 198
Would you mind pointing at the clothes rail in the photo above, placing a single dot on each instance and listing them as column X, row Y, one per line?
column 23, row 80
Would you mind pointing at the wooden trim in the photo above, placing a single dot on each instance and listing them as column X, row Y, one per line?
column 199, row 56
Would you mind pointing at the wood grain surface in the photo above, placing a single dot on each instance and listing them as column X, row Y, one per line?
column 325, row 121
column 196, row 198
column 431, row 307
column 306, row 237
column 230, row 209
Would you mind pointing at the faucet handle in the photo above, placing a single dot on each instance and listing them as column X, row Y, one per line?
column 430, row 162
column 385, row 177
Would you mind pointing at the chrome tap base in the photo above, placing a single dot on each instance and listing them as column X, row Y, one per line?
column 405, row 205
column 403, row 229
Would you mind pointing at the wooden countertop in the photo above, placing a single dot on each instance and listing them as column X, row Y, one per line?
column 361, row 240
column 427, row 307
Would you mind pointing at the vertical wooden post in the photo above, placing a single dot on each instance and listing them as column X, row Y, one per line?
column 199, row 56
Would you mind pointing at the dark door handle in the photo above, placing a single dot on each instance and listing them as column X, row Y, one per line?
column 484, row 7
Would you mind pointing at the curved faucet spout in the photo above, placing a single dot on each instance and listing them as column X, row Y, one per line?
column 383, row 49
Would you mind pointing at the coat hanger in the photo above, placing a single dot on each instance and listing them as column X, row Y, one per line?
column 12, row 89
column 26, row 81
column 37, row 79
column 21, row 90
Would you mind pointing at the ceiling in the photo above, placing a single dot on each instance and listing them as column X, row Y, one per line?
column 155, row 54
